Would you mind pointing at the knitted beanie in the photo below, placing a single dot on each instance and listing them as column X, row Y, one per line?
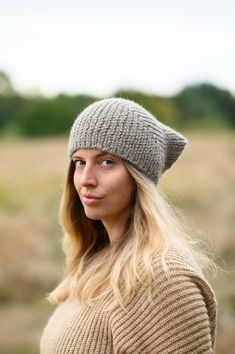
column 126, row 129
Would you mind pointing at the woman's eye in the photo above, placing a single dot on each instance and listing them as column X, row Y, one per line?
column 106, row 162
column 79, row 163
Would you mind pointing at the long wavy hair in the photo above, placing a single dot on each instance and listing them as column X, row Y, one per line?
column 94, row 267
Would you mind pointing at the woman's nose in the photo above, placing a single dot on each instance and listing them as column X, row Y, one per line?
column 88, row 176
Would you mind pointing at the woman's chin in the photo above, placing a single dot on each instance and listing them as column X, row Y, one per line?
column 93, row 215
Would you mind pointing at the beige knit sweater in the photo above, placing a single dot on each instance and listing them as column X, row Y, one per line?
column 181, row 318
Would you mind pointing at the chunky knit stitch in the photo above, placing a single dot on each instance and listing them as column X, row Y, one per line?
column 124, row 128
column 180, row 318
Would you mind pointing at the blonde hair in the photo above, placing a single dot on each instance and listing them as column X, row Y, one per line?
column 94, row 267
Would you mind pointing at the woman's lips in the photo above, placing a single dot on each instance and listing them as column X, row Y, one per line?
column 89, row 199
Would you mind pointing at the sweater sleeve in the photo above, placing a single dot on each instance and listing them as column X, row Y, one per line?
column 178, row 319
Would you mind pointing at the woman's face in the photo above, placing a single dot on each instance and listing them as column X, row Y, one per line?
column 104, row 185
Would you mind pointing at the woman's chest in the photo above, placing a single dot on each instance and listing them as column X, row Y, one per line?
column 74, row 330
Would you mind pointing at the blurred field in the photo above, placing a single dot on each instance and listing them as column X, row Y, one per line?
column 32, row 173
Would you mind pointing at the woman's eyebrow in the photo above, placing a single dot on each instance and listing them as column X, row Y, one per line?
column 103, row 153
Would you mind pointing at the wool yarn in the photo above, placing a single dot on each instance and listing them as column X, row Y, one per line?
column 124, row 128
column 181, row 318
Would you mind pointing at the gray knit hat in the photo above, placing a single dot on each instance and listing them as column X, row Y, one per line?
column 126, row 129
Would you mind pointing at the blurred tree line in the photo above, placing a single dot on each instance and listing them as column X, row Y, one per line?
column 198, row 107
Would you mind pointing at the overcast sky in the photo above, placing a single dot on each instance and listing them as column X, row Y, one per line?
column 97, row 47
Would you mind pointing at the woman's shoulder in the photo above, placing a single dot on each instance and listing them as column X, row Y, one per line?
column 175, row 262
column 184, row 277
column 181, row 298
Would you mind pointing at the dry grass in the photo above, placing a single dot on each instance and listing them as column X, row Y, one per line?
column 32, row 173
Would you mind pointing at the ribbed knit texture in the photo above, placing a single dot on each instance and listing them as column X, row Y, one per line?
column 126, row 129
column 181, row 318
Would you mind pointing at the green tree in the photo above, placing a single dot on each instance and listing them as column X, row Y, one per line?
column 45, row 117
column 205, row 106
column 6, row 87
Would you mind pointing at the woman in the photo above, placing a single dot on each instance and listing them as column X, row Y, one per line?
column 134, row 281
